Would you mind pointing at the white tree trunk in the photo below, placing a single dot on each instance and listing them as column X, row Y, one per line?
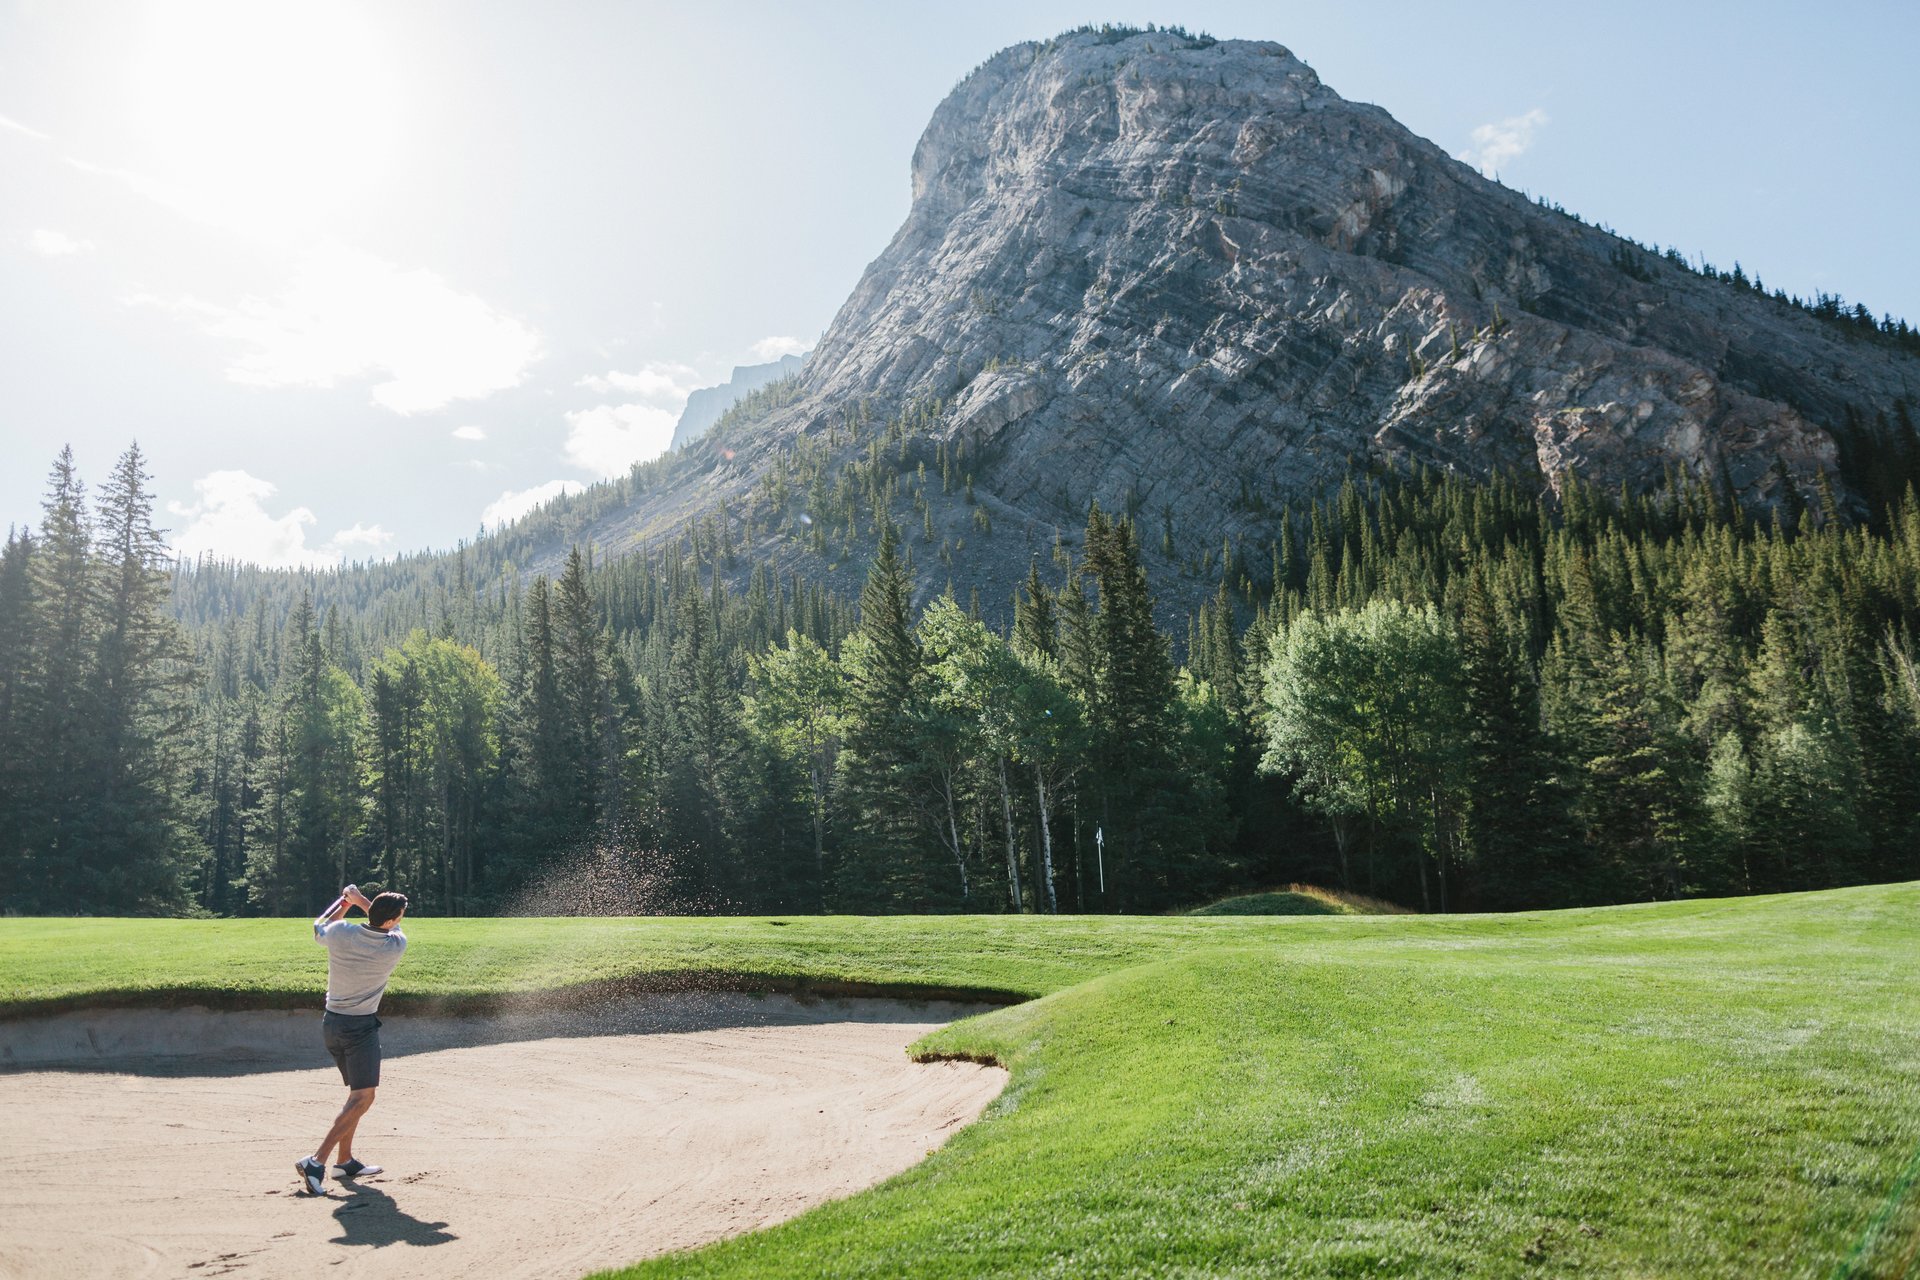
column 953, row 835
column 1046, row 841
column 816, row 776
column 1006, row 811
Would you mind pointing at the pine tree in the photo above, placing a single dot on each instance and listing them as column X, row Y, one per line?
column 19, row 618
column 1641, row 803
column 704, row 783
column 886, row 858
column 393, row 704
column 1130, row 715
column 140, row 710
column 1806, row 821
column 314, row 789
column 56, row 851
column 1034, row 627
column 581, row 681
column 545, row 796
column 1514, row 823
column 1890, row 785
column 1764, row 674
column 217, row 776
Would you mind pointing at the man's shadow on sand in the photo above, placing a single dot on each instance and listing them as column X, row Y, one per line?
column 372, row 1217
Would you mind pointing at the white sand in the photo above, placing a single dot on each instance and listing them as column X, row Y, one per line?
column 513, row 1147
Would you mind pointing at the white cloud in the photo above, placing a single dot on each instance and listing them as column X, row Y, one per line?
column 664, row 386
column 512, row 504
column 348, row 314
column 366, row 536
column 1501, row 141
column 228, row 520
column 767, row 350
column 469, row 433
column 14, row 126
column 610, row 438
column 56, row 244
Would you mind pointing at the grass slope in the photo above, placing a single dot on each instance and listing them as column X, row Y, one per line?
column 48, row 964
column 1700, row 1089
column 1299, row 900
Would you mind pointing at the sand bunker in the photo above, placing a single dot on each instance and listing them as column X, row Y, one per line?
column 534, row 1145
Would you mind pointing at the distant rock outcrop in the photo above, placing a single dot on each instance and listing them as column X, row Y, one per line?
column 1186, row 278
column 705, row 406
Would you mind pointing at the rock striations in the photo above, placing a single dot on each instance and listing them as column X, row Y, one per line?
column 1188, row 278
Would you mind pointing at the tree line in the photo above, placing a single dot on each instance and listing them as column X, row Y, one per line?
column 1453, row 694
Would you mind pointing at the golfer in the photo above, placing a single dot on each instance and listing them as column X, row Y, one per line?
column 360, row 959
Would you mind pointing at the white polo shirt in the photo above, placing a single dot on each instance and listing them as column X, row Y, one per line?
column 359, row 962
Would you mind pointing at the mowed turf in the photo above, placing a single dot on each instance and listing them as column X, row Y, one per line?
column 1726, row 1088
column 1299, row 900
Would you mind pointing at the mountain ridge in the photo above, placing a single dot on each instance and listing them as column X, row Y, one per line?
column 706, row 405
column 1186, row 279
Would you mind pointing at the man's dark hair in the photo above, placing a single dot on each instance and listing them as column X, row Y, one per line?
column 385, row 907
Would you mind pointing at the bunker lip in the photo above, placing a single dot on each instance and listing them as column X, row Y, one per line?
column 493, row 1003
column 969, row 1059
column 199, row 1040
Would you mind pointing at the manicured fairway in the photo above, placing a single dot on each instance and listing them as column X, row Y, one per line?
column 1722, row 1088
column 50, row 964
column 1298, row 900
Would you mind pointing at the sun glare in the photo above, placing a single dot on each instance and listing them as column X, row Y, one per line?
column 267, row 119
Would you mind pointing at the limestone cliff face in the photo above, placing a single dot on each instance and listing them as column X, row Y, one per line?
column 1191, row 277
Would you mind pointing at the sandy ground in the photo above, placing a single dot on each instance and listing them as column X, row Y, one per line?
column 530, row 1146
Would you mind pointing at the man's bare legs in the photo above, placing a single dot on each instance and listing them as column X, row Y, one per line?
column 359, row 1102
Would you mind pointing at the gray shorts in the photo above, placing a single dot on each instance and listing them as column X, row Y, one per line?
column 354, row 1041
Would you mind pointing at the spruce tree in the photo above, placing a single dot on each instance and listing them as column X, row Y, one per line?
column 885, row 864
column 704, row 786
column 1806, row 819
column 1034, row 627
column 56, row 851
column 142, row 683
column 19, row 620
column 1139, row 801
column 313, row 798
column 545, row 795
column 581, row 681
column 1641, row 807
column 1514, row 825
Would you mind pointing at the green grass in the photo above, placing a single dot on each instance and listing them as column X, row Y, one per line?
column 48, row 964
column 1725, row 1088
column 1299, row 900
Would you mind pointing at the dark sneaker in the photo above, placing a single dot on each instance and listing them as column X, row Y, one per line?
column 312, row 1174
column 354, row 1169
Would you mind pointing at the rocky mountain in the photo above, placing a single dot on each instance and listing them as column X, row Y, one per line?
column 705, row 406
column 1189, row 280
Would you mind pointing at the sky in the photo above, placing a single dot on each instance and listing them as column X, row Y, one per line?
column 364, row 278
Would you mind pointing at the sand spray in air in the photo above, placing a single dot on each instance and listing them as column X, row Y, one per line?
column 617, row 877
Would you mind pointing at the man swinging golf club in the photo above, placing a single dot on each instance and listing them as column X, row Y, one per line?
column 360, row 959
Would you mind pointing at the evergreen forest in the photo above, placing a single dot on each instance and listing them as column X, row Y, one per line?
column 1449, row 693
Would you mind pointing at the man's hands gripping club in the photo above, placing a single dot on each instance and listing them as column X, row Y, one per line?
column 349, row 898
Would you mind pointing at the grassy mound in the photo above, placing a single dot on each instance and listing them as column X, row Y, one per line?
column 1300, row 900
column 1725, row 1088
